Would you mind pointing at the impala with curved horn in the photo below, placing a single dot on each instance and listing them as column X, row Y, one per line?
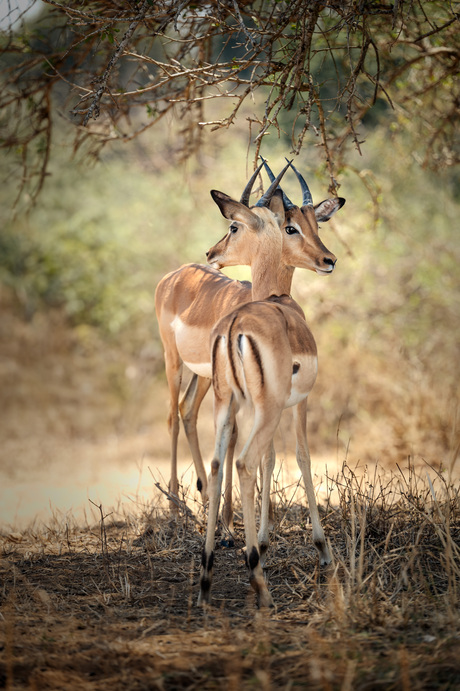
column 304, row 250
column 263, row 354
column 190, row 301
column 302, row 247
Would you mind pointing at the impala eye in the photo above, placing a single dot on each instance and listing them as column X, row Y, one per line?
column 290, row 230
column 233, row 229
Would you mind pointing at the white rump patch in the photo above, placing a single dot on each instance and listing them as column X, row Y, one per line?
column 302, row 381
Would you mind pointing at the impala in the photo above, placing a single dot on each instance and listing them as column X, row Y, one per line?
column 190, row 301
column 263, row 354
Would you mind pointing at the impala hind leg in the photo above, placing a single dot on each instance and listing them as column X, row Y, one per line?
column 256, row 575
column 266, row 520
column 225, row 418
column 189, row 407
column 258, row 444
column 304, row 462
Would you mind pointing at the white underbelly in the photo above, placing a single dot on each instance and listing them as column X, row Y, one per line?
column 202, row 369
column 192, row 343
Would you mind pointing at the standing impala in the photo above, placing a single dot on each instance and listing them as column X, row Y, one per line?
column 263, row 355
column 190, row 301
column 301, row 226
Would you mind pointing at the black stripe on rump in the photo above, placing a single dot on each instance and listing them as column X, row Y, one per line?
column 257, row 358
column 232, row 359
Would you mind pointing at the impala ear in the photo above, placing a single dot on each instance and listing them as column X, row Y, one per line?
column 324, row 210
column 276, row 206
column 235, row 211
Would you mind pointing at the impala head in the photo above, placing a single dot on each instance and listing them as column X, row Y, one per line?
column 304, row 248
column 251, row 230
column 301, row 244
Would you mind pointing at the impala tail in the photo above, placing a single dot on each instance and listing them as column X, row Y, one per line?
column 245, row 361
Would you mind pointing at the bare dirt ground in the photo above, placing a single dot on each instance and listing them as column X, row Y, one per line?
column 102, row 595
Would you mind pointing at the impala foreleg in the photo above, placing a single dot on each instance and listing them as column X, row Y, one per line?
column 268, row 466
column 227, row 512
column 189, row 407
column 304, row 462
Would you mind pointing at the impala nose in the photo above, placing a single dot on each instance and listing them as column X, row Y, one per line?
column 207, row 253
column 330, row 262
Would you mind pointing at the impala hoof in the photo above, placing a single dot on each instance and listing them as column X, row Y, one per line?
column 324, row 554
column 265, row 601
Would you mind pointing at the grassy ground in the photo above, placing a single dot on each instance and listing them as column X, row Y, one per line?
column 113, row 605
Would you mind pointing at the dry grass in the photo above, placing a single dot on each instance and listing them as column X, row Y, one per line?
column 112, row 606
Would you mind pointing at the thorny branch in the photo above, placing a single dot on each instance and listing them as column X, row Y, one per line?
column 115, row 69
column 93, row 110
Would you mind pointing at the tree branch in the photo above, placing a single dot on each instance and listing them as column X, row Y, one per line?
column 93, row 110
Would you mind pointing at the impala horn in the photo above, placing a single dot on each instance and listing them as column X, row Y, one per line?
column 266, row 198
column 286, row 201
column 307, row 199
column 247, row 190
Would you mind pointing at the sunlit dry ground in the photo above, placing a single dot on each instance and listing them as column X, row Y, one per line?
column 54, row 474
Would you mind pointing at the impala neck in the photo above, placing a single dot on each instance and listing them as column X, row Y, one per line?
column 270, row 277
column 285, row 275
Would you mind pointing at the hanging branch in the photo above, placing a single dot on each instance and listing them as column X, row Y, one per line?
column 311, row 61
column 93, row 110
